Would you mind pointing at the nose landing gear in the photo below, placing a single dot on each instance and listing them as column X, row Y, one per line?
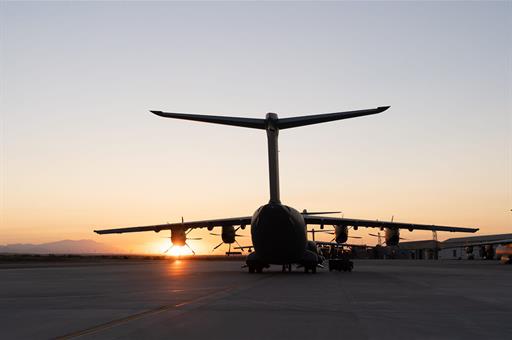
column 287, row 268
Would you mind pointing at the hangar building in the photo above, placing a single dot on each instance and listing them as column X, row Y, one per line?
column 471, row 247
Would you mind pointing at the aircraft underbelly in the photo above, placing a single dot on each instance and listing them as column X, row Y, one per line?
column 278, row 234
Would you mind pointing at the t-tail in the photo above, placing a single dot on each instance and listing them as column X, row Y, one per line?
column 272, row 124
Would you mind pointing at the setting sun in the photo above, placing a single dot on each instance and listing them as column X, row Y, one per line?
column 178, row 251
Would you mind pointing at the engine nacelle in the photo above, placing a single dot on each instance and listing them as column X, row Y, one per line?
column 178, row 237
column 341, row 232
column 228, row 234
column 392, row 236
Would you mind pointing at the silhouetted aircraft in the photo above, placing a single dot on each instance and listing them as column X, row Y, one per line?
column 487, row 249
column 228, row 237
column 278, row 231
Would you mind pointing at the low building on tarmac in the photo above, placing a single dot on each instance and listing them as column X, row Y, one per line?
column 420, row 250
column 485, row 247
column 474, row 247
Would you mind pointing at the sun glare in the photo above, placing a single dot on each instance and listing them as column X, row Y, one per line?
column 178, row 251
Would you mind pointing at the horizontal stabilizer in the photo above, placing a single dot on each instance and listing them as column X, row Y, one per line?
column 254, row 123
column 280, row 123
column 286, row 123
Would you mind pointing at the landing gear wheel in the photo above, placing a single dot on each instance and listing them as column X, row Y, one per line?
column 306, row 269
column 313, row 269
column 251, row 269
column 259, row 269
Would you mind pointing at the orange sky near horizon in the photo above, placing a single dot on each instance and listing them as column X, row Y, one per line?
column 80, row 150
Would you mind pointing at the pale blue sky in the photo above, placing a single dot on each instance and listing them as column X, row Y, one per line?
column 79, row 147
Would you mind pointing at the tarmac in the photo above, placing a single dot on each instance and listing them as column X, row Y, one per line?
column 190, row 299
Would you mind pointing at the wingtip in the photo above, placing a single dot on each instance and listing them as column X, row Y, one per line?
column 159, row 113
column 383, row 108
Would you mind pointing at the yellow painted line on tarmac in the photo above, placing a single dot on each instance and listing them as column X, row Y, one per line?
column 137, row 316
column 161, row 309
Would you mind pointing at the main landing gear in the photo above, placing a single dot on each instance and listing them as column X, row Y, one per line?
column 255, row 268
column 308, row 268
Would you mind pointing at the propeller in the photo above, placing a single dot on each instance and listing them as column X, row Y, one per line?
column 229, row 244
column 330, row 232
column 334, row 239
column 236, row 235
column 379, row 242
column 186, row 238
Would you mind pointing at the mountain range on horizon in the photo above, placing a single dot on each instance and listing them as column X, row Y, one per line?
column 61, row 247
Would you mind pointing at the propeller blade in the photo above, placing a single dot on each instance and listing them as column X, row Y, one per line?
column 240, row 235
column 215, row 234
column 194, row 238
column 321, row 231
column 355, row 237
column 192, row 250
column 169, row 248
column 218, row 245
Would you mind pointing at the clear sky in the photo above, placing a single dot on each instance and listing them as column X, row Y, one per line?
column 80, row 149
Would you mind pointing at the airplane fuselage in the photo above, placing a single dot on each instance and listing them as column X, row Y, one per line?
column 278, row 234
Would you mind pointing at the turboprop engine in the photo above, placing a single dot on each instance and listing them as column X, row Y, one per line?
column 341, row 232
column 178, row 237
column 392, row 236
column 228, row 234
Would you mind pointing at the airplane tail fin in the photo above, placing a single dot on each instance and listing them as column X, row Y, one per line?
column 272, row 124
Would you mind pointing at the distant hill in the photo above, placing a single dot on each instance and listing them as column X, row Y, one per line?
column 61, row 247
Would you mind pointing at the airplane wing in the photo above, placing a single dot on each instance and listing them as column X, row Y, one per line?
column 242, row 221
column 357, row 223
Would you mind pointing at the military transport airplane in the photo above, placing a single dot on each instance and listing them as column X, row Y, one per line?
column 278, row 231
